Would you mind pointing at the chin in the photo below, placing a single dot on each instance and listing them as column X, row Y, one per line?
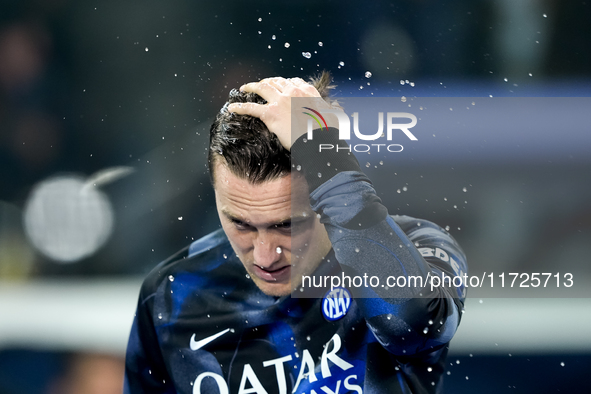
column 274, row 290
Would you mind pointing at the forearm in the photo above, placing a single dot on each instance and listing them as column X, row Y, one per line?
column 367, row 242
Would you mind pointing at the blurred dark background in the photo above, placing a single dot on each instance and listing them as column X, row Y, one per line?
column 120, row 94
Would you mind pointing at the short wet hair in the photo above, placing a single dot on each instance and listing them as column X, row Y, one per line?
column 246, row 145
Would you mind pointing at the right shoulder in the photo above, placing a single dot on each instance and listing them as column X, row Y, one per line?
column 196, row 259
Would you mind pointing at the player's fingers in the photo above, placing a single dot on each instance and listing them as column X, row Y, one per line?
column 302, row 88
column 252, row 109
column 265, row 89
column 279, row 85
column 293, row 84
column 298, row 81
column 278, row 82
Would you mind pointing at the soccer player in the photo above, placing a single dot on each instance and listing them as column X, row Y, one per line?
column 232, row 313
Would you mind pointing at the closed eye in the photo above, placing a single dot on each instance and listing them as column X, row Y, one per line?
column 283, row 225
column 239, row 224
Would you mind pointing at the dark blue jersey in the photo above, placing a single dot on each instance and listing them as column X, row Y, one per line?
column 203, row 326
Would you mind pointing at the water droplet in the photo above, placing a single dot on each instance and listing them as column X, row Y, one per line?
column 446, row 228
column 319, row 175
column 286, row 45
column 320, row 43
column 562, row 364
column 356, row 250
column 429, row 369
column 381, row 163
column 160, row 316
column 404, row 188
column 425, row 330
column 398, row 191
column 171, row 278
column 146, row 49
column 403, row 99
column 367, row 164
column 328, row 163
column 412, row 84
column 342, row 64
column 180, row 218
column 464, row 190
column 430, row 322
column 225, row 257
column 457, row 361
column 544, row 15
column 308, row 337
column 402, row 81
column 273, row 37
column 260, row 19
column 367, row 74
column 247, row 276
column 278, row 250
column 480, row 301
column 307, row 55
column 299, row 167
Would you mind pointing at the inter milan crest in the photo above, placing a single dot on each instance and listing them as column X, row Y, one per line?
column 336, row 303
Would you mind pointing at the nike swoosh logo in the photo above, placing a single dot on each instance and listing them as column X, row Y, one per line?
column 196, row 345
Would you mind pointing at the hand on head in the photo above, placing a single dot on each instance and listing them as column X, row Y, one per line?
column 276, row 114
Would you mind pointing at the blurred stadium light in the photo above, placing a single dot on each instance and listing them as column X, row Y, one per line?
column 68, row 218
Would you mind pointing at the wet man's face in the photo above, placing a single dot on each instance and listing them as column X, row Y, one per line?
column 273, row 231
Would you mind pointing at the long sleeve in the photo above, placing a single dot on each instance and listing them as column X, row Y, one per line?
column 407, row 319
column 145, row 371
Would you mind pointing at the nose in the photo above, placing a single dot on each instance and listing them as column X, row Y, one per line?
column 266, row 250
